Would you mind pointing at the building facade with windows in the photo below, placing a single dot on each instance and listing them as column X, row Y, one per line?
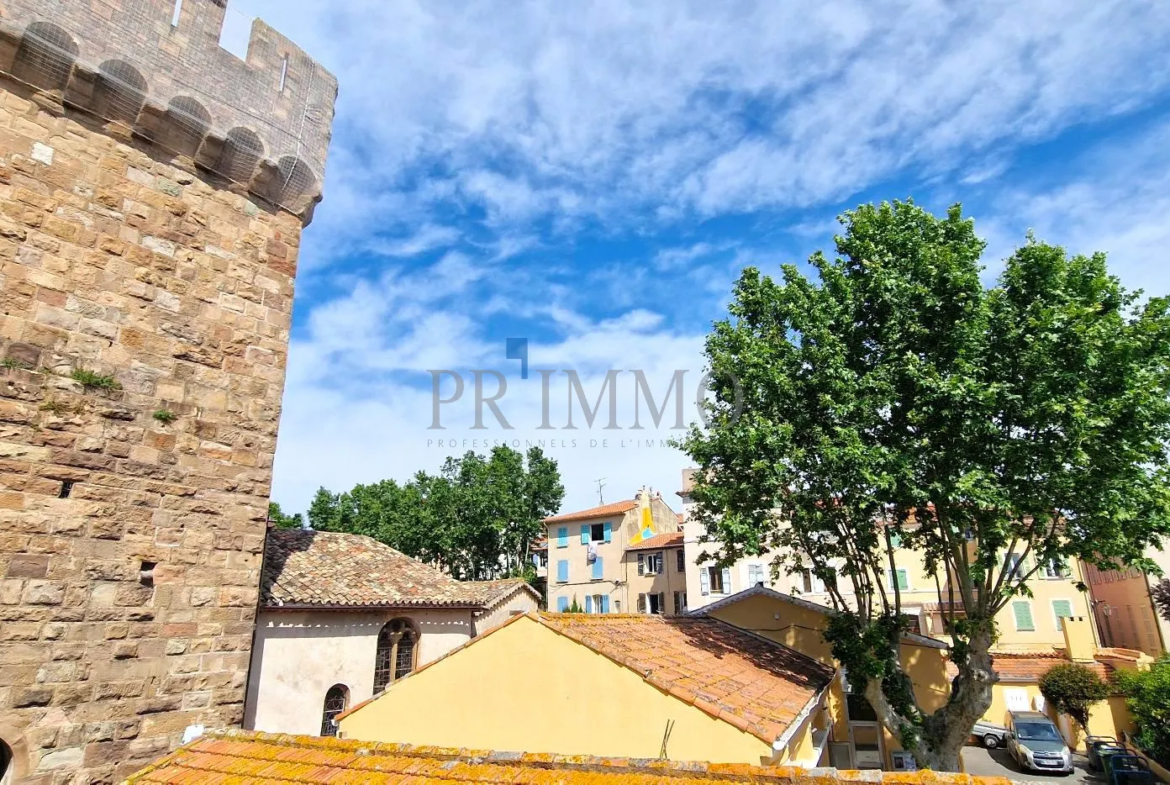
column 1027, row 623
column 1126, row 614
column 616, row 558
column 343, row 617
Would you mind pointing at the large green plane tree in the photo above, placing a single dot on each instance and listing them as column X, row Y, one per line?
column 894, row 399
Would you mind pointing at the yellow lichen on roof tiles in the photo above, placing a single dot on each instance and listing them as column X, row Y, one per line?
column 246, row 757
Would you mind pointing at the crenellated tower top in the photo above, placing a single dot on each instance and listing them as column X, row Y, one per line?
column 156, row 68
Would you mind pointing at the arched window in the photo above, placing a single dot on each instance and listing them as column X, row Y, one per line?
column 396, row 653
column 336, row 699
column 119, row 93
column 45, row 56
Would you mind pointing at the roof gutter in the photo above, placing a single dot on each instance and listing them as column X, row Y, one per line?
column 798, row 722
column 289, row 606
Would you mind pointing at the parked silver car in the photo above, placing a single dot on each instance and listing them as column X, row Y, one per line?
column 1036, row 744
column 989, row 734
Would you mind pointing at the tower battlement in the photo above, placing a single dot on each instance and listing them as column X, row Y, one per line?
column 157, row 68
column 153, row 193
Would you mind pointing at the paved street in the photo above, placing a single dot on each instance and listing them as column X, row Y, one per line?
column 999, row 763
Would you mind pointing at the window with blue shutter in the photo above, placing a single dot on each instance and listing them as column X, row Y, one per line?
column 608, row 531
column 563, row 571
column 584, row 534
column 598, row 572
column 605, row 603
column 562, row 604
column 588, row 604
column 563, row 537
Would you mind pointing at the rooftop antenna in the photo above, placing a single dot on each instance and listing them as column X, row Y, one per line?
column 600, row 484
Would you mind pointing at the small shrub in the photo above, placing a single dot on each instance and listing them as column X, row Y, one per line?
column 1072, row 689
column 1148, row 697
column 54, row 407
column 165, row 416
column 12, row 363
column 574, row 606
column 91, row 380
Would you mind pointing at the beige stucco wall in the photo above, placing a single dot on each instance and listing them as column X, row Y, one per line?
column 520, row 601
column 298, row 655
column 580, row 581
column 564, row 699
column 666, row 582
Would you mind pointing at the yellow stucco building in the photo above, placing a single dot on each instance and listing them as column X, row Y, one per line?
column 1026, row 624
column 622, row 685
column 856, row 738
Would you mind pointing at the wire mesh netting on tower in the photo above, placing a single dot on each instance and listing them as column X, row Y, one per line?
column 188, row 95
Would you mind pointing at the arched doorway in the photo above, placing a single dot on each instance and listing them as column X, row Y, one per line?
column 7, row 764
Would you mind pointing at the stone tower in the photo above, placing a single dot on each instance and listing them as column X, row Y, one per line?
column 153, row 189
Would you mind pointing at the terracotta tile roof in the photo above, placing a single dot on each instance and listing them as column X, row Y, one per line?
column 668, row 540
column 603, row 511
column 755, row 684
column 1030, row 666
column 907, row 637
column 488, row 593
column 305, row 568
column 251, row 757
column 1121, row 654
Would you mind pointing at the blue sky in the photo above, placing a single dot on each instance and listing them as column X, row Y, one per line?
column 593, row 175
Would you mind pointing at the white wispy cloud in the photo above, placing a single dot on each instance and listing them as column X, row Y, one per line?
column 597, row 108
column 428, row 237
column 496, row 135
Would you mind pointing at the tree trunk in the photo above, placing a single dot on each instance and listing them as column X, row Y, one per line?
column 946, row 730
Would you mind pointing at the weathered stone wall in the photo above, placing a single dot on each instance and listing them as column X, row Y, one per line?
column 176, row 295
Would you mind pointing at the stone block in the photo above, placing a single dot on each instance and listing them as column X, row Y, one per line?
column 24, row 565
column 44, row 593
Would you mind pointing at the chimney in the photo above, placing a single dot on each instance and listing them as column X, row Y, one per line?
column 1079, row 645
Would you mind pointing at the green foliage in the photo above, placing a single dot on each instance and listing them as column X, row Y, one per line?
column 475, row 519
column 12, row 363
column 1148, row 696
column 894, row 394
column 1160, row 592
column 165, row 416
column 574, row 606
column 92, row 380
column 281, row 521
column 1072, row 689
column 55, row 407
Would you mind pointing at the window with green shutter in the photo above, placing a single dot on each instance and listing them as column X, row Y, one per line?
column 1061, row 609
column 1023, row 613
column 903, row 579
